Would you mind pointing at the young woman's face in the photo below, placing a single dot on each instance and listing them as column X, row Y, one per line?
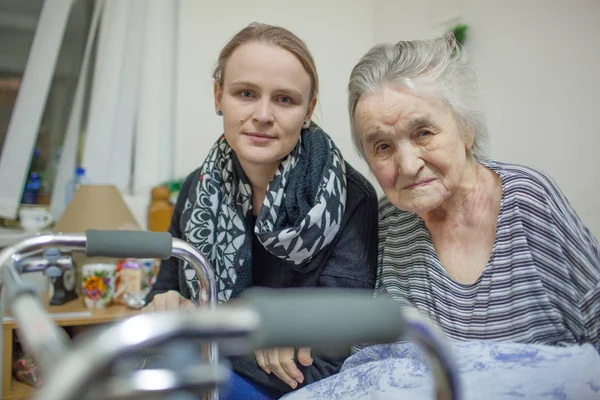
column 265, row 100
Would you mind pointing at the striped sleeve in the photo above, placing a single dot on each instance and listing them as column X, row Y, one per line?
column 386, row 214
column 385, row 210
column 582, row 253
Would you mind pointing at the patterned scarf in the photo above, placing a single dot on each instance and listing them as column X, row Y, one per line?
column 301, row 213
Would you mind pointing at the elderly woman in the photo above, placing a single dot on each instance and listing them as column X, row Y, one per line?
column 492, row 252
column 486, row 249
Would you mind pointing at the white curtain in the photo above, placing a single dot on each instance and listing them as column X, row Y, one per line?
column 108, row 136
column 156, row 107
column 127, row 140
column 68, row 159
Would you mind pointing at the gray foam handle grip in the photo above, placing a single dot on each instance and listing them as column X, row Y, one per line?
column 122, row 244
column 324, row 319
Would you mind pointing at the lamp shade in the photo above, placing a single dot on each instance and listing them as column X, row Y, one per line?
column 96, row 207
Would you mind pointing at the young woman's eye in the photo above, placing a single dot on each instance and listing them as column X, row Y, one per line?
column 246, row 93
column 285, row 100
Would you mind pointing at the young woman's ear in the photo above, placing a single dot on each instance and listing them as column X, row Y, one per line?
column 309, row 113
column 218, row 94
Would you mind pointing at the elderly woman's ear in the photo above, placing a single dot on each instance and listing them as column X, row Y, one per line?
column 469, row 139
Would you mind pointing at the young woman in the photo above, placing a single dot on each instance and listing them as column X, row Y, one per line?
column 274, row 204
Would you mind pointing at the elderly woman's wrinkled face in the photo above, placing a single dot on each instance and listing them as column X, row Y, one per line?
column 413, row 146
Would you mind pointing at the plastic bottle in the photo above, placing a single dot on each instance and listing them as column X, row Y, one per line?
column 78, row 180
column 32, row 188
column 160, row 210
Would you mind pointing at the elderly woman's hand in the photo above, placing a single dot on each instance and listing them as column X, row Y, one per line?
column 280, row 361
column 170, row 300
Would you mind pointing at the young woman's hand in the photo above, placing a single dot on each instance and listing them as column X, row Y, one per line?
column 170, row 300
column 280, row 361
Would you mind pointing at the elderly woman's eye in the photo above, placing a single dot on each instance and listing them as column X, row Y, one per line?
column 423, row 133
column 382, row 147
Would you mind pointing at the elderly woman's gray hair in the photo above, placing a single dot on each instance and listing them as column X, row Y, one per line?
column 426, row 67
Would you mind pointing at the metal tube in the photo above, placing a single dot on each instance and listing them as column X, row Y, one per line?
column 431, row 340
column 42, row 339
column 93, row 353
column 19, row 250
column 185, row 251
column 160, row 383
column 12, row 255
column 83, row 364
column 188, row 253
column 24, row 308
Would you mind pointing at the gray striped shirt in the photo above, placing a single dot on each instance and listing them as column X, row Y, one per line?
column 541, row 284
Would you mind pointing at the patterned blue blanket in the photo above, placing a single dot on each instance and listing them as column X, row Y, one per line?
column 487, row 370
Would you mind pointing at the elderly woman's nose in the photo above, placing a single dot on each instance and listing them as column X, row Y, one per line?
column 408, row 160
column 263, row 112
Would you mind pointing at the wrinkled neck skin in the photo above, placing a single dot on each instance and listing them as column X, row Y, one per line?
column 474, row 193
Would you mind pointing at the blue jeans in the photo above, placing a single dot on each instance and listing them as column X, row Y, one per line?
column 240, row 388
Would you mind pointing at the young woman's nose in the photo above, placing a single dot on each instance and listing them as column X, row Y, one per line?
column 263, row 113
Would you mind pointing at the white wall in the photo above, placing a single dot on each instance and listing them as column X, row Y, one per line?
column 538, row 63
column 336, row 32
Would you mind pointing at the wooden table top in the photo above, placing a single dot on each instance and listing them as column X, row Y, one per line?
column 75, row 313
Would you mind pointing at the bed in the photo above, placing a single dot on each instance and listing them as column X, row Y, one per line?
column 487, row 370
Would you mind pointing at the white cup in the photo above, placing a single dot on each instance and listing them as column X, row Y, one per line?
column 34, row 219
column 98, row 284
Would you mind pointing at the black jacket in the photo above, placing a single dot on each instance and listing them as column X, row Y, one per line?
column 349, row 261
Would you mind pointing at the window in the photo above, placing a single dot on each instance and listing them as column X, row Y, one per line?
column 101, row 108
column 18, row 23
